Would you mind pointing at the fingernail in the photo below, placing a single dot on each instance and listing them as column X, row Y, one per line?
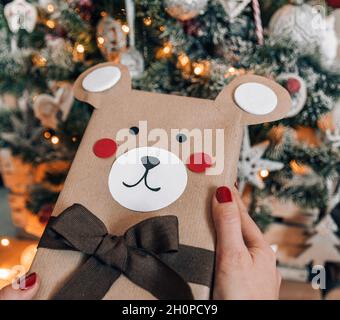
column 223, row 195
column 28, row 282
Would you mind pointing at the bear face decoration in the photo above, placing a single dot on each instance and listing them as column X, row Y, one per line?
column 148, row 154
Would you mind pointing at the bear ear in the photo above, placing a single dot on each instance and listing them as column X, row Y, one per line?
column 102, row 84
column 254, row 99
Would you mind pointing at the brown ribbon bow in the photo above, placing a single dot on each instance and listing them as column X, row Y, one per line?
column 136, row 254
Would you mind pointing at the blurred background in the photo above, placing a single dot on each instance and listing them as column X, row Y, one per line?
column 183, row 47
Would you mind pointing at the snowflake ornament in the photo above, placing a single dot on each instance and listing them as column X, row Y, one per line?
column 251, row 163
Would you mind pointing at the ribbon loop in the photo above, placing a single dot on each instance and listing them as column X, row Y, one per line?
column 134, row 254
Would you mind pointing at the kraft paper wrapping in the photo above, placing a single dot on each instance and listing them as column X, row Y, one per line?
column 87, row 181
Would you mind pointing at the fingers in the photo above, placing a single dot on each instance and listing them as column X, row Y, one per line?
column 25, row 289
column 252, row 235
column 227, row 220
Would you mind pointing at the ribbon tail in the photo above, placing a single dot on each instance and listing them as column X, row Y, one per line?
column 90, row 282
column 149, row 272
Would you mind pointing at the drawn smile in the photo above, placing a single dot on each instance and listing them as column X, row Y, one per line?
column 148, row 163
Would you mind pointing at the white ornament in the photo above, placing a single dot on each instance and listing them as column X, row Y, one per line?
column 185, row 9
column 101, row 79
column 255, row 98
column 20, row 15
column 147, row 179
column 110, row 32
column 46, row 107
column 132, row 58
column 323, row 244
column 333, row 135
column 134, row 61
column 251, row 163
column 296, row 24
column 298, row 99
column 234, row 7
column 328, row 42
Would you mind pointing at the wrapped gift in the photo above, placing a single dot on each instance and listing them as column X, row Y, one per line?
column 133, row 219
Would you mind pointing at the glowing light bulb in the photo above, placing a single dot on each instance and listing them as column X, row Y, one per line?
column 50, row 8
column 100, row 40
column 167, row 49
column 198, row 69
column 47, row 134
column 55, row 140
column 5, row 242
column 50, row 24
column 264, row 173
column 183, row 60
column 147, row 21
column 80, row 48
column 125, row 28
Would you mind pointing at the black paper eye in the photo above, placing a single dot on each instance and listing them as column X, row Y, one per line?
column 181, row 137
column 134, row 130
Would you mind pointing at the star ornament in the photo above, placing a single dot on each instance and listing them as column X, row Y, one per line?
column 251, row 165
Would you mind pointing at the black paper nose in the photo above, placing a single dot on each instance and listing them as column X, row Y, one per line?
column 149, row 162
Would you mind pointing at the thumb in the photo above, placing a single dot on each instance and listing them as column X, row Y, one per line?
column 227, row 220
column 24, row 289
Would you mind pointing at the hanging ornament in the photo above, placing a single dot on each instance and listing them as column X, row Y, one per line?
column 322, row 245
column 297, row 88
column 110, row 38
column 20, row 15
column 52, row 109
column 298, row 25
column 252, row 168
column 234, row 7
column 132, row 58
column 58, row 51
column 333, row 3
column 328, row 46
column 185, row 9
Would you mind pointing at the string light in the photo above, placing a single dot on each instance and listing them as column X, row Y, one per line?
column 183, row 60
column 80, row 48
column 147, row 21
column 5, row 242
column 47, row 135
column 125, row 28
column 50, row 8
column 232, row 71
column 50, row 24
column 201, row 68
column 162, row 28
column 100, row 40
column 55, row 139
column 165, row 51
column 264, row 173
column 38, row 60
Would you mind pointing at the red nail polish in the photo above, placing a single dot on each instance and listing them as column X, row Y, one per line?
column 28, row 281
column 223, row 195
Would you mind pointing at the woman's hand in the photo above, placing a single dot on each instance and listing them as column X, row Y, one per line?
column 245, row 263
column 24, row 289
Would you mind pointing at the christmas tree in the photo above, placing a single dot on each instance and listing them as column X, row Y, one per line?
column 191, row 48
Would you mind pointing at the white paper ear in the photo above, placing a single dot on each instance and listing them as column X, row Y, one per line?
column 101, row 79
column 255, row 98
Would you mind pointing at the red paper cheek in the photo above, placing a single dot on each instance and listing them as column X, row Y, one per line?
column 199, row 162
column 105, row 148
